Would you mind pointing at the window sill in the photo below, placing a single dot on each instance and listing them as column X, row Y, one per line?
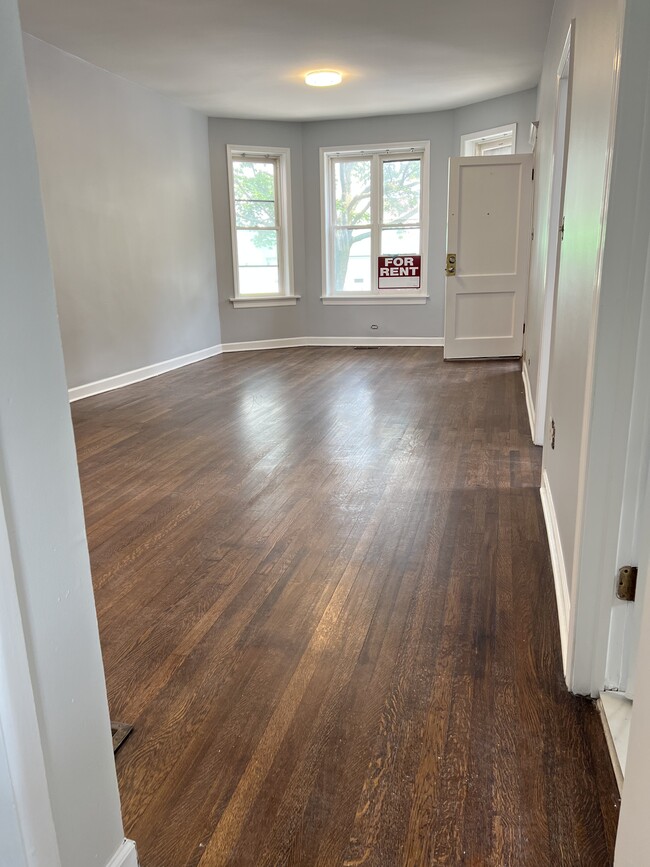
column 374, row 299
column 264, row 301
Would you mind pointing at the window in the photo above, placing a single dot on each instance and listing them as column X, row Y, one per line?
column 489, row 142
column 375, row 204
column 260, row 220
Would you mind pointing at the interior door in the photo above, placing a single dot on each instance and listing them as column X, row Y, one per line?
column 488, row 253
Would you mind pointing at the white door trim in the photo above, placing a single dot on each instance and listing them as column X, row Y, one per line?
column 623, row 248
column 557, row 182
column 19, row 722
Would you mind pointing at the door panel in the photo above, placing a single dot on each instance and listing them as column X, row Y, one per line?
column 490, row 212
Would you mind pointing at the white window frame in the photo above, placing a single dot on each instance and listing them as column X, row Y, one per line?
column 282, row 159
column 468, row 142
column 327, row 156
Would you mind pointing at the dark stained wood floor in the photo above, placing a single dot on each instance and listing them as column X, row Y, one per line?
column 326, row 603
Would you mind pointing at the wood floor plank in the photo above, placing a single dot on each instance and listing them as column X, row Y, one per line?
column 325, row 601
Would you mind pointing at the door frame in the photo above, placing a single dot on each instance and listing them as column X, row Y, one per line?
column 619, row 293
column 561, row 134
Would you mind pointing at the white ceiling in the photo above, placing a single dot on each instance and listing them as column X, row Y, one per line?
column 247, row 58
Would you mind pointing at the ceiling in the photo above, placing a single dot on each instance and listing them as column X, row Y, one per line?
column 247, row 58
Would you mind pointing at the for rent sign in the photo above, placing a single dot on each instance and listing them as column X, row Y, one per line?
column 399, row 272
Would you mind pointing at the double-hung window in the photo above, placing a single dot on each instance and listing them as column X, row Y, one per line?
column 260, row 217
column 375, row 213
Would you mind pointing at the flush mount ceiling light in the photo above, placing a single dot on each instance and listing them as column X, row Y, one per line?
column 323, row 78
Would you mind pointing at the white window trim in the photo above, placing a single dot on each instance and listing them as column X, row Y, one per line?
column 286, row 295
column 496, row 132
column 419, row 296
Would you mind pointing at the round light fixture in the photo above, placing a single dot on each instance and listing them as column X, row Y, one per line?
column 323, row 78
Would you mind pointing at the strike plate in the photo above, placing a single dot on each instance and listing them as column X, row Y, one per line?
column 626, row 584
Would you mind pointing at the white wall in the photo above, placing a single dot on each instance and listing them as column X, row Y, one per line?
column 46, row 559
column 12, row 853
column 633, row 836
column 595, row 62
column 310, row 318
column 126, row 188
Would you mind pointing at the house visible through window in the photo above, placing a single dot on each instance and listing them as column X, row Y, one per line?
column 490, row 142
column 374, row 204
column 260, row 220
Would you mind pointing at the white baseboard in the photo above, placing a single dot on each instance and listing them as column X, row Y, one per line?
column 250, row 345
column 530, row 406
column 131, row 376
column 126, row 856
column 562, row 596
column 374, row 341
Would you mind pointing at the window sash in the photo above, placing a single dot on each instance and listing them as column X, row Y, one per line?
column 377, row 224
column 280, row 160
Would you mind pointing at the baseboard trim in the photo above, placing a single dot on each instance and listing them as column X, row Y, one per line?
column 611, row 747
column 132, row 376
column 557, row 561
column 255, row 345
column 374, row 341
column 530, row 406
column 287, row 343
column 142, row 373
column 126, row 856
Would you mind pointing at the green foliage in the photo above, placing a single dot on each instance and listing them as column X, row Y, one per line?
column 254, row 184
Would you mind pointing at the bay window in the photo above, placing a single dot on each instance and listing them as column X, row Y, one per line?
column 375, row 206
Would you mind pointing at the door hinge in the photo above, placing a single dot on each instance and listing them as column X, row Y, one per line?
column 524, row 327
column 562, row 229
column 532, row 175
column 626, row 583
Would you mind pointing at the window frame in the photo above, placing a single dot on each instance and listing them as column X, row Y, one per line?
column 379, row 153
column 485, row 136
column 282, row 160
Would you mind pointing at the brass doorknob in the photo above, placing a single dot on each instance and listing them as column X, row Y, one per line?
column 450, row 269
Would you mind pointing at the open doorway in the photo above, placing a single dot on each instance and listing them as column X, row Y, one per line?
column 555, row 229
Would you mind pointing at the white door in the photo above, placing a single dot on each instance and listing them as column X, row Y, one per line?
column 488, row 252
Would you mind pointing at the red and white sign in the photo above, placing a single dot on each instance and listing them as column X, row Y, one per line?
column 399, row 272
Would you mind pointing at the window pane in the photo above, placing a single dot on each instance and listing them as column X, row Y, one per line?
column 254, row 184
column 254, row 180
column 254, row 213
column 352, row 192
column 257, row 252
column 400, row 241
column 495, row 149
column 401, row 191
column 352, row 260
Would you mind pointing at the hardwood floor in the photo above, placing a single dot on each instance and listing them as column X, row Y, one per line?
column 326, row 603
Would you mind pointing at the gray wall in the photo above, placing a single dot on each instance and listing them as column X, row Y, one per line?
column 310, row 317
column 126, row 188
column 257, row 323
column 518, row 107
column 39, row 489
